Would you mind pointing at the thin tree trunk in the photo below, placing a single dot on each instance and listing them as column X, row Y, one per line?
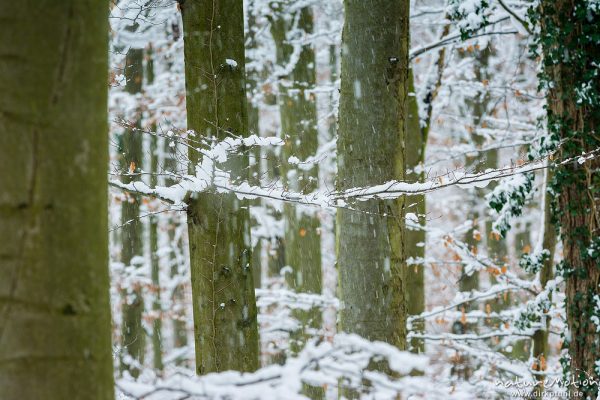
column 180, row 331
column 540, row 337
column 478, row 110
column 156, row 304
column 496, row 245
column 298, row 112
column 55, row 335
column 180, row 334
column 302, row 236
column 154, row 259
column 252, row 76
column 130, row 149
column 372, row 121
column 224, row 302
column 417, row 139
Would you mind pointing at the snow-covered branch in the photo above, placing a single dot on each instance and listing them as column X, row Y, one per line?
column 344, row 360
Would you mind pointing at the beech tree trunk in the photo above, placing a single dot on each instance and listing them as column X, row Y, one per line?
column 372, row 122
column 55, row 335
column 224, row 303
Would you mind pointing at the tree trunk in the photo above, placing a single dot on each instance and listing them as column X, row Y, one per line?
column 372, row 121
column 156, row 304
column 224, row 303
column 298, row 112
column 55, row 338
column 570, row 29
column 154, row 259
column 540, row 337
column 417, row 139
column 252, row 95
column 175, row 264
column 132, row 249
column 415, row 238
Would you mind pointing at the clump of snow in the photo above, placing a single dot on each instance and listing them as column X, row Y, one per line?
column 470, row 15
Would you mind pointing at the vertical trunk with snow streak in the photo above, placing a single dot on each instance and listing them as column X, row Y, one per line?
column 224, row 302
column 132, row 249
column 415, row 238
column 298, row 112
column 372, row 121
column 54, row 305
column 252, row 90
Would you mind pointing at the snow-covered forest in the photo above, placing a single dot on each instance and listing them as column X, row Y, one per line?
column 299, row 199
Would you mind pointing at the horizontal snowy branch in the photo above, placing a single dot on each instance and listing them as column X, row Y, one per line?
column 210, row 177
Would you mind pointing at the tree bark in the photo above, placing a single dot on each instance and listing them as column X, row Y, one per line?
column 372, row 122
column 55, row 337
column 571, row 56
column 224, row 302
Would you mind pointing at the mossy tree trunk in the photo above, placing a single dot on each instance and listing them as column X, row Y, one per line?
column 132, row 248
column 55, row 337
column 372, row 122
column 298, row 110
column 224, row 303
